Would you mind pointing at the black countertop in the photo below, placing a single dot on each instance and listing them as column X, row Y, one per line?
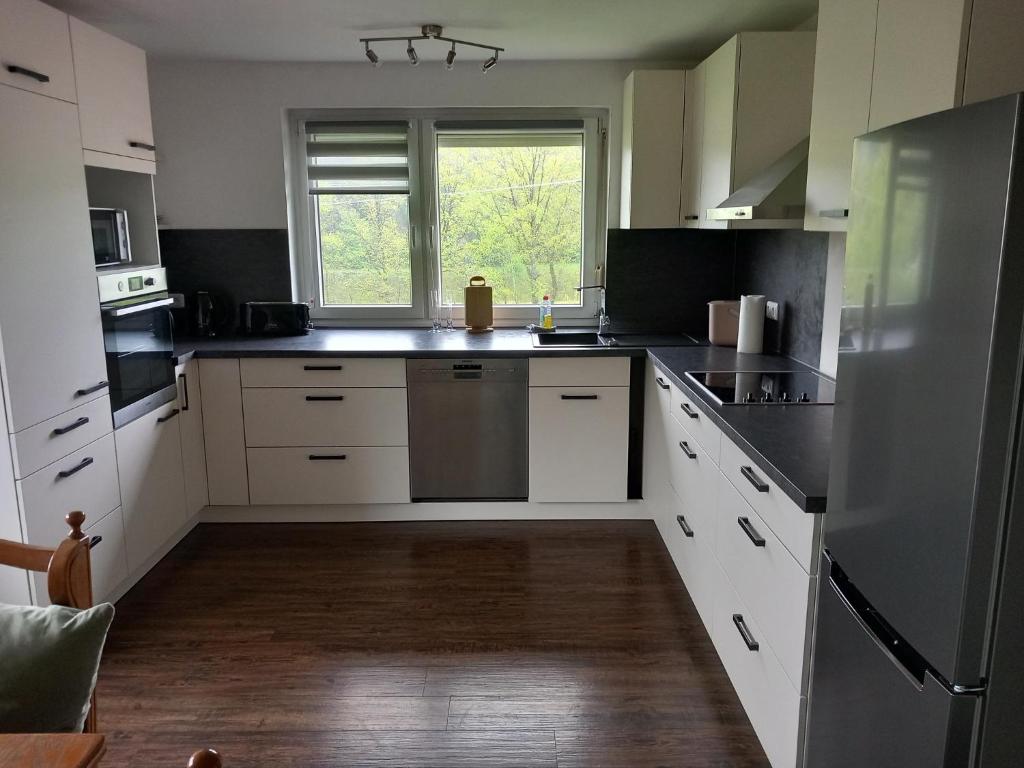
column 789, row 443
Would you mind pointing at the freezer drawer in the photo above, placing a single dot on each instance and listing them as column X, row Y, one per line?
column 865, row 708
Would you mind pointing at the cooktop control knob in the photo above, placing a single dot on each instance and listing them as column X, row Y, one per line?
column 803, row 398
column 785, row 398
column 748, row 398
column 766, row 397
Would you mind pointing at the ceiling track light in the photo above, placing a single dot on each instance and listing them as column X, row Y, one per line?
column 431, row 32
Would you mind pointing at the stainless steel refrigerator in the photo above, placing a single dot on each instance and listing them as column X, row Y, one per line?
column 918, row 651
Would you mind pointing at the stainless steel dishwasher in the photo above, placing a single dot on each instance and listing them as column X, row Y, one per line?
column 468, row 429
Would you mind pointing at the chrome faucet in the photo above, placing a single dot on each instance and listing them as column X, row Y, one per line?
column 603, row 321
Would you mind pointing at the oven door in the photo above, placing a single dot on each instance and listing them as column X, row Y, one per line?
column 110, row 244
column 140, row 355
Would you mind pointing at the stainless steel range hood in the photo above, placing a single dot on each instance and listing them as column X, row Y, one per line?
column 774, row 198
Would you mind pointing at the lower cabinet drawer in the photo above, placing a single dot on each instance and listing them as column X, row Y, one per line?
column 85, row 480
column 325, row 416
column 689, row 542
column 322, row 372
column 694, row 476
column 774, row 707
column 108, row 560
column 777, row 590
column 44, row 443
column 697, row 423
column 328, row 475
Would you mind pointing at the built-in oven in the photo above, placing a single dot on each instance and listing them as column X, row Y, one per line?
column 138, row 341
column 111, row 245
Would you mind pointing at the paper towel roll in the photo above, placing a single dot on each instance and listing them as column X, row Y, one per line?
column 751, row 335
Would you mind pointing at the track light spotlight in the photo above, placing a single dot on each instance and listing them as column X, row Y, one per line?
column 449, row 60
column 489, row 64
column 373, row 57
column 411, row 53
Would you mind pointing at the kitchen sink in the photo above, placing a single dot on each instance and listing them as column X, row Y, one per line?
column 572, row 339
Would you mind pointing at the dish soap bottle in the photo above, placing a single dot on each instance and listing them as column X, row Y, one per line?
column 547, row 320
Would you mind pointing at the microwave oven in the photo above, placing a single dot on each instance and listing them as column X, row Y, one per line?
column 111, row 244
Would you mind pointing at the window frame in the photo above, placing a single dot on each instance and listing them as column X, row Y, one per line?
column 424, row 252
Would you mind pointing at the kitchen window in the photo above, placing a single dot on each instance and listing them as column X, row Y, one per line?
column 399, row 210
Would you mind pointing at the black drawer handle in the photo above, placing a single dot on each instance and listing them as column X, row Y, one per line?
column 688, row 410
column 94, row 540
column 183, row 378
column 579, row 397
column 321, row 367
column 142, row 145
column 327, row 457
column 752, row 645
column 759, row 485
column 64, row 473
column 16, row 70
column 168, row 417
column 72, row 426
column 93, row 388
column 751, row 531
column 690, row 454
column 687, row 530
column 661, row 382
column 324, row 398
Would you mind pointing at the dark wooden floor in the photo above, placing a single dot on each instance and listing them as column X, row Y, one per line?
column 419, row 644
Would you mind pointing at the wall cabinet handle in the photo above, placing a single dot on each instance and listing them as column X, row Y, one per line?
column 94, row 388
column 327, row 457
column 579, row 397
column 687, row 530
column 835, row 213
column 183, row 378
column 168, row 417
column 324, row 398
column 16, row 70
column 661, row 382
column 759, row 485
column 142, row 145
column 690, row 453
column 689, row 411
column 65, row 473
column 691, row 217
column 752, row 534
column 741, row 626
column 72, row 426
column 321, row 367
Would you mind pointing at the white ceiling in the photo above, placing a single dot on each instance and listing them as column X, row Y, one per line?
column 328, row 30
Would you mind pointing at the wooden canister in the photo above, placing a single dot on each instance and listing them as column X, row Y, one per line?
column 479, row 306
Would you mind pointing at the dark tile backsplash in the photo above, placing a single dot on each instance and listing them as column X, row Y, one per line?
column 661, row 280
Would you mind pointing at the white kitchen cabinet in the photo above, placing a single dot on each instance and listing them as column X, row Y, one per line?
column 36, row 45
column 340, row 475
column 652, row 148
column 843, row 65
column 13, row 582
column 152, row 482
column 107, row 559
column 322, row 372
column 757, row 106
column 113, row 99
column 995, row 50
column 55, row 438
column 193, row 445
column 695, row 421
column 224, row 431
column 693, row 134
column 53, row 359
column 579, row 372
column 579, row 443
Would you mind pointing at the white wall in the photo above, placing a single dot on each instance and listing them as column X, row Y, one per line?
column 218, row 125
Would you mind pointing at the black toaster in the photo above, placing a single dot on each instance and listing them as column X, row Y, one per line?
column 275, row 318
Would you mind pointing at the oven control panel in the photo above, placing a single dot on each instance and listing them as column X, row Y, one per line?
column 136, row 282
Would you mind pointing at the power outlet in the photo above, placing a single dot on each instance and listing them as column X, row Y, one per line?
column 771, row 310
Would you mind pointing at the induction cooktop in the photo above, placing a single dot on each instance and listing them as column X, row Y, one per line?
column 766, row 387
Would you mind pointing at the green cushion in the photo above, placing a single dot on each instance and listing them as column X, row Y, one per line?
column 49, row 658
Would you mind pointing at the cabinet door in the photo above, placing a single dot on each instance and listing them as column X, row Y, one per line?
column 34, row 40
column 716, row 171
column 920, row 48
column 578, row 443
column 652, row 145
column 113, row 93
column 49, row 310
column 693, row 131
column 13, row 581
column 839, row 111
column 193, row 446
column 152, row 482
column 995, row 54
column 224, row 432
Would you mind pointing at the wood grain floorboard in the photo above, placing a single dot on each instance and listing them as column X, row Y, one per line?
column 448, row 644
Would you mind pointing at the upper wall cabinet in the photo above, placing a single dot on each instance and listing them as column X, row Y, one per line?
column 35, row 49
column 693, row 133
column 756, row 107
column 113, row 100
column 652, row 130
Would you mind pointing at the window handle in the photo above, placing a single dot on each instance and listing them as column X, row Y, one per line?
column 412, row 236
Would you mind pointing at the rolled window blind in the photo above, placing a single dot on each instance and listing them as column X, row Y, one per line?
column 357, row 158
